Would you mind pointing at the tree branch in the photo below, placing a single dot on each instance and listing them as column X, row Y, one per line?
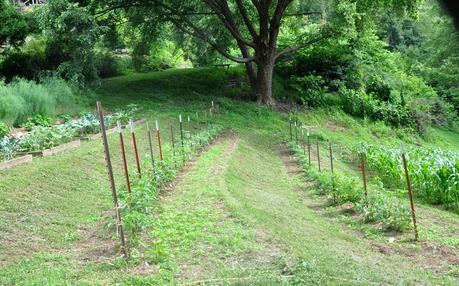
column 245, row 18
column 303, row 45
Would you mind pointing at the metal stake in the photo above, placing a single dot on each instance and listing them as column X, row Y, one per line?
column 123, row 155
column 296, row 132
column 111, row 179
column 134, row 141
column 291, row 133
column 189, row 131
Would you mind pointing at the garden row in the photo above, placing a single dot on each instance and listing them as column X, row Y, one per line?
column 40, row 138
column 430, row 175
column 136, row 201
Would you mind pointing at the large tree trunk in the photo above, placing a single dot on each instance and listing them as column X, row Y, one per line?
column 265, row 82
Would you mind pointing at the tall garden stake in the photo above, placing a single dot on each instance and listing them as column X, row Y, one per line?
column 134, row 141
column 410, row 193
column 150, row 144
column 291, row 133
column 158, row 136
column 111, row 179
column 123, row 156
column 318, row 151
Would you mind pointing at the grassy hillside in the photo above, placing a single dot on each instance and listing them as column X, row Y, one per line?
column 243, row 213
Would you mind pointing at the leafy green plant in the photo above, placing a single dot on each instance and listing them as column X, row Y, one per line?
column 3, row 130
column 42, row 138
column 8, row 148
column 434, row 173
column 138, row 206
column 37, row 120
column 384, row 206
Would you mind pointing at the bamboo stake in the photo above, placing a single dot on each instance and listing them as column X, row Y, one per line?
column 410, row 193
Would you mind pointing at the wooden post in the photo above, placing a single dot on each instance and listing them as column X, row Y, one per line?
column 123, row 156
column 111, row 179
column 158, row 136
column 134, row 142
column 410, row 193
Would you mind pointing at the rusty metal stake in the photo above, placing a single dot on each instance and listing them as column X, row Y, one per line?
column 318, row 152
column 410, row 193
column 158, row 136
column 123, row 155
column 134, row 141
column 111, row 179
column 150, row 144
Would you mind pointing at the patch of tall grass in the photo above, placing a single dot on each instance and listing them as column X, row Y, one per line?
column 22, row 99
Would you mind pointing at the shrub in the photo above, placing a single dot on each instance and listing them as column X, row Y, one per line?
column 106, row 65
column 3, row 130
column 310, row 89
column 22, row 99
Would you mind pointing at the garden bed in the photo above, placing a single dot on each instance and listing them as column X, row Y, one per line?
column 15, row 162
column 61, row 148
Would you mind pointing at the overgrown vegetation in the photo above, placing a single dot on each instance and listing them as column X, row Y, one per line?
column 138, row 207
column 23, row 100
column 380, row 205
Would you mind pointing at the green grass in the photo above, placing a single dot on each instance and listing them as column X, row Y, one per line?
column 235, row 213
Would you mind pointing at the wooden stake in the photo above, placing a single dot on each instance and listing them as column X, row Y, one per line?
column 309, row 148
column 111, row 179
column 410, row 193
column 364, row 173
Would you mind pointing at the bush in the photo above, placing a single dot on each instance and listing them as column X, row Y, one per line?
column 106, row 65
column 3, row 130
column 310, row 89
column 22, row 99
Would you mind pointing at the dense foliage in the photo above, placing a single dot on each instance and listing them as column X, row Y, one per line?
column 434, row 174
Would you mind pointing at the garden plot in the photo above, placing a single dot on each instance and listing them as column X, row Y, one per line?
column 39, row 138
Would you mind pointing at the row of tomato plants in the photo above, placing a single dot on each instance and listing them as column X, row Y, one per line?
column 378, row 206
column 139, row 206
